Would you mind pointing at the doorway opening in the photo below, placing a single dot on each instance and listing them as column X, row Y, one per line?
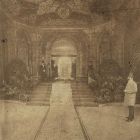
column 64, row 67
column 63, row 60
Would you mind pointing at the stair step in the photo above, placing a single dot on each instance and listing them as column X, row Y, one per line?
column 40, row 99
column 39, row 103
column 81, row 88
column 84, row 99
column 45, row 86
column 83, row 93
column 40, row 96
column 85, row 104
column 40, row 92
column 86, row 87
column 82, row 96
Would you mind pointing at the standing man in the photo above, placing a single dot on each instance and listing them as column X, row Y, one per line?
column 55, row 71
column 130, row 96
column 43, row 71
column 48, row 72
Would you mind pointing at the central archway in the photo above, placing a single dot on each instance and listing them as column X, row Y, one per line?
column 64, row 53
column 76, row 39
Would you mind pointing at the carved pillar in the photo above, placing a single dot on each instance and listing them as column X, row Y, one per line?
column 81, row 62
column 84, row 61
column 36, row 58
column 36, row 53
column 93, row 49
column 78, row 62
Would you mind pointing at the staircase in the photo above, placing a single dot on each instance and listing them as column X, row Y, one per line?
column 41, row 95
column 82, row 95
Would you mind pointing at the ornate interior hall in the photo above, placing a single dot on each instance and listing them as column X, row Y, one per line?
column 64, row 66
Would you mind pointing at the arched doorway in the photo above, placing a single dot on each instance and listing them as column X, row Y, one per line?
column 63, row 59
column 64, row 68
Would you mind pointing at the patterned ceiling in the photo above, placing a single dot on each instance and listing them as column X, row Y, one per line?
column 46, row 6
column 63, row 7
column 59, row 12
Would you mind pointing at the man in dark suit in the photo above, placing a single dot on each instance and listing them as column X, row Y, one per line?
column 43, row 71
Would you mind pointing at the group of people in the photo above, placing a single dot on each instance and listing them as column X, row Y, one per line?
column 44, row 71
column 48, row 71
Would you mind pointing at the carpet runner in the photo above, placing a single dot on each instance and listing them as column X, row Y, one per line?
column 62, row 122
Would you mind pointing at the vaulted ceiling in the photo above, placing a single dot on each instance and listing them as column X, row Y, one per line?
column 64, row 12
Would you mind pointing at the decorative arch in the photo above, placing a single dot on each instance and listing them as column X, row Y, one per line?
column 64, row 46
column 77, row 36
column 78, row 39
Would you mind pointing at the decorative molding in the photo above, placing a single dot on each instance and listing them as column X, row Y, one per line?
column 49, row 6
column 48, row 12
column 64, row 11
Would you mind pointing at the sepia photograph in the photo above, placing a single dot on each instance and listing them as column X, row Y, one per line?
column 69, row 69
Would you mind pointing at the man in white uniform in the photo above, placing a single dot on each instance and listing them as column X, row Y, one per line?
column 130, row 96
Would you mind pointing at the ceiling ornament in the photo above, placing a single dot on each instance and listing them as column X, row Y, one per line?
column 43, row 12
column 64, row 8
column 48, row 6
column 63, row 12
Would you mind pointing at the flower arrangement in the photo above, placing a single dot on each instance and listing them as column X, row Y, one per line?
column 111, row 89
column 112, row 83
column 18, row 79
